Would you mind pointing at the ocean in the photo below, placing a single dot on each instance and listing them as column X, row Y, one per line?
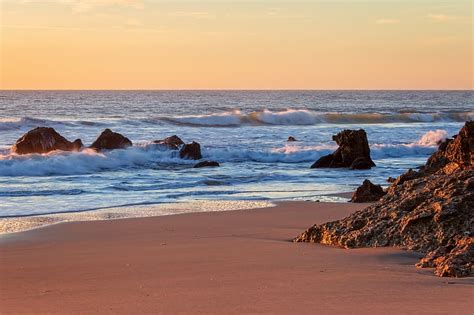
column 245, row 131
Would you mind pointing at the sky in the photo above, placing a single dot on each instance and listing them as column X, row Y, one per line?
column 145, row 44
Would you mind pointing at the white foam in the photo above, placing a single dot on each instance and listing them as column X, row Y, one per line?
column 148, row 155
column 18, row 224
column 433, row 137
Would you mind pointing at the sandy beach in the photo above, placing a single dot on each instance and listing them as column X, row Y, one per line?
column 222, row 262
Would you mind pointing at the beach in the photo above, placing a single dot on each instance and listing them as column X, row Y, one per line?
column 239, row 261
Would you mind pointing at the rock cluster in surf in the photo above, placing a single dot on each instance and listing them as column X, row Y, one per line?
column 353, row 152
column 43, row 140
column 430, row 211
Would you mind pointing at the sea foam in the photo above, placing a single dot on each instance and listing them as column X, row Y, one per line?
column 152, row 156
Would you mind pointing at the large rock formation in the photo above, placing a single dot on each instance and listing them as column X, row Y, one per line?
column 191, row 151
column 44, row 140
column 109, row 140
column 430, row 211
column 368, row 192
column 173, row 142
column 353, row 152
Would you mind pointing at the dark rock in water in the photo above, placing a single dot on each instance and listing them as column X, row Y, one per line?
column 353, row 152
column 44, row 140
column 324, row 161
column 109, row 140
column 173, row 142
column 430, row 211
column 206, row 164
column 368, row 192
column 291, row 139
column 191, row 151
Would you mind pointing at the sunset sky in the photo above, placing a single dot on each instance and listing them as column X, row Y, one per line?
column 145, row 44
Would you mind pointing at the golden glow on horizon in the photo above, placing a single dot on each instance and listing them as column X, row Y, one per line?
column 135, row 44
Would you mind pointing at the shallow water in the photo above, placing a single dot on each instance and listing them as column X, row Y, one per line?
column 245, row 131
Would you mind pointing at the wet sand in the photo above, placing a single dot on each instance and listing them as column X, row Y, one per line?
column 222, row 262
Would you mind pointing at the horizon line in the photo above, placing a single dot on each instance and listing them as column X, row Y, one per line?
column 232, row 89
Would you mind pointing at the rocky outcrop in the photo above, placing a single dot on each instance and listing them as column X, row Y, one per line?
column 291, row 139
column 368, row 192
column 206, row 164
column 172, row 143
column 430, row 211
column 191, row 151
column 452, row 154
column 353, row 152
column 44, row 140
column 109, row 140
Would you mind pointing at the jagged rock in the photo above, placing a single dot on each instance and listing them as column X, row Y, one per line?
column 430, row 211
column 44, row 140
column 291, row 139
column 353, row 152
column 452, row 260
column 109, row 140
column 191, row 151
column 454, row 153
column 368, row 192
column 206, row 164
column 173, row 142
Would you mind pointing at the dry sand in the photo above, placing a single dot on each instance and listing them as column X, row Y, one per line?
column 222, row 262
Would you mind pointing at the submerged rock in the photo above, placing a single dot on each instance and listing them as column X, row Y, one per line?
column 191, row 151
column 44, row 140
column 430, row 211
column 206, row 164
column 353, row 152
column 173, row 142
column 109, row 140
column 368, row 192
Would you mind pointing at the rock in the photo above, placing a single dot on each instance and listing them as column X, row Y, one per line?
column 173, row 142
column 353, row 152
column 109, row 140
column 291, row 139
column 206, row 164
column 368, row 192
column 191, row 151
column 459, row 151
column 429, row 211
column 44, row 140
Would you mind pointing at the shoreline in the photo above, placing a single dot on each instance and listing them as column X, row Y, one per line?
column 215, row 261
column 22, row 223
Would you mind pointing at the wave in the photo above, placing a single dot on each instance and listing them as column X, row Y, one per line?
column 237, row 118
column 307, row 117
column 30, row 123
column 151, row 156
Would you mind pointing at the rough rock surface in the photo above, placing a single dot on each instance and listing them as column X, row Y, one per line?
column 368, row 192
column 173, row 142
column 191, row 151
column 430, row 211
column 353, row 152
column 44, row 140
column 109, row 140
column 206, row 164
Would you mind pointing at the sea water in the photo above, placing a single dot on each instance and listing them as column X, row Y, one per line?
column 245, row 131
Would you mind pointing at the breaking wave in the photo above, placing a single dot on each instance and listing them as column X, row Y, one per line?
column 237, row 118
column 151, row 156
